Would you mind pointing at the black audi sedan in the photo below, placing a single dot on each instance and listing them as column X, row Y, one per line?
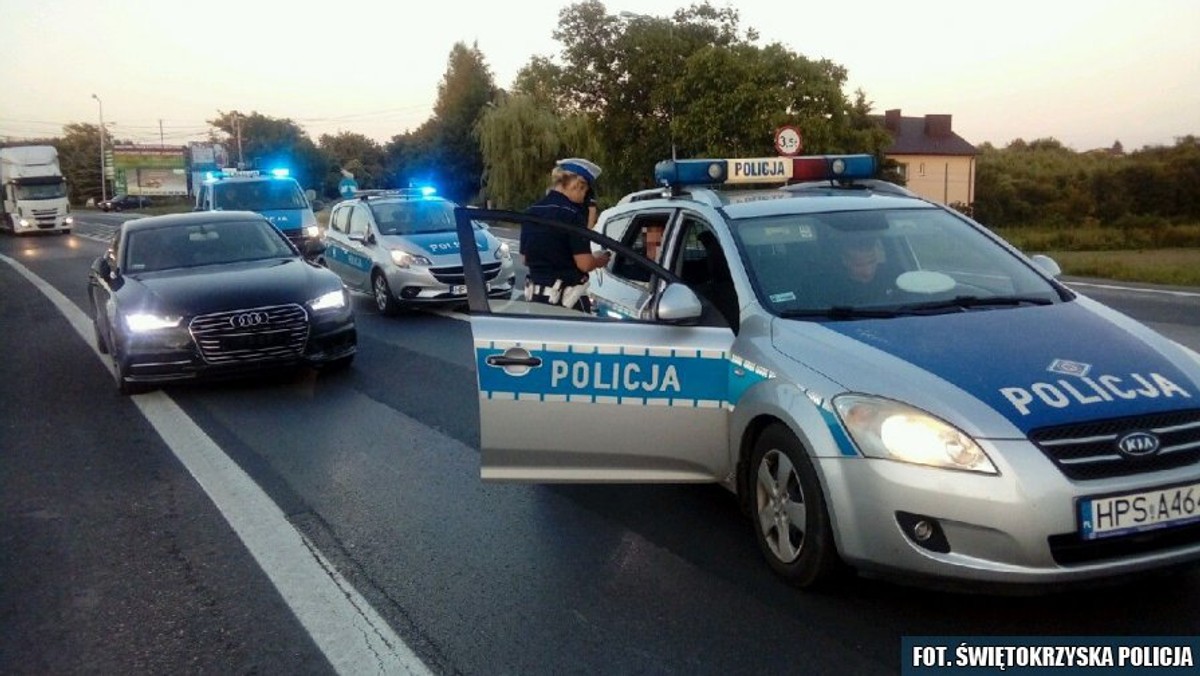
column 212, row 294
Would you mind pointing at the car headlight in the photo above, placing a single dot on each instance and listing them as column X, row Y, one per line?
column 24, row 222
column 142, row 322
column 404, row 259
column 312, row 231
column 329, row 301
column 503, row 253
column 68, row 220
column 888, row 429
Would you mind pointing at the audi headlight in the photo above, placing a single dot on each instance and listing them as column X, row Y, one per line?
column 142, row 322
column 329, row 301
column 887, row 429
column 404, row 259
column 503, row 253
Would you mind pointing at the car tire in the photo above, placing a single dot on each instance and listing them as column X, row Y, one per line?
column 384, row 300
column 791, row 520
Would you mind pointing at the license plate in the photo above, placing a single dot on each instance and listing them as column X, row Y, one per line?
column 1132, row 512
column 461, row 289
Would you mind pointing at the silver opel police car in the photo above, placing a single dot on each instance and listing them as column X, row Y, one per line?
column 400, row 247
column 885, row 384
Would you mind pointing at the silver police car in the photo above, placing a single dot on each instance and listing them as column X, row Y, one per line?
column 400, row 247
column 884, row 383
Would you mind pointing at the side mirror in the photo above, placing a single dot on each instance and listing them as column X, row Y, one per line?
column 1048, row 265
column 679, row 304
column 314, row 247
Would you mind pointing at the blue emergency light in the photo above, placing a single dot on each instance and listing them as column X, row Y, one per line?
column 675, row 173
column 280, row 173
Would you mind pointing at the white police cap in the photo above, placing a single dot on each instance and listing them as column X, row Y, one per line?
column 590, row 171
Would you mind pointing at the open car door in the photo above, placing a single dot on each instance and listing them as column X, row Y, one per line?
column 568, row 396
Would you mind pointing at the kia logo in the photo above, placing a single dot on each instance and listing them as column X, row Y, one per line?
column 1138, row 444
column 249, row 319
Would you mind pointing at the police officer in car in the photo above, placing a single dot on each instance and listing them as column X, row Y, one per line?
column 558, row 260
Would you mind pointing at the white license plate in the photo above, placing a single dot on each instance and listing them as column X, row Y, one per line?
column 461, row 289
column 1132, row 512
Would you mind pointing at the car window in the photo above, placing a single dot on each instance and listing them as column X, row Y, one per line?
column 358, row 221
column 413, row 216
column 341, row 219
column 856, row 259
column 644, row 234
column 181, row 246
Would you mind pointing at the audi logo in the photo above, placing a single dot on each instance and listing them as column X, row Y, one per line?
column 1138, row 444
column 247, row 320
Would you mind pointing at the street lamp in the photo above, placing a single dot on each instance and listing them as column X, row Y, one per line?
column 103, row 185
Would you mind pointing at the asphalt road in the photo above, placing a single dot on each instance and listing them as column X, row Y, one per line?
column 114, row 560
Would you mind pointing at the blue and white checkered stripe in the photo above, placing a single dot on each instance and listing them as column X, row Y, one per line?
column 620, row 375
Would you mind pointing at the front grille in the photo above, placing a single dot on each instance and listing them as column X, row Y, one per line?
column 45, row 217
column 278, row 332
column 455, row 275
column 1088, row 451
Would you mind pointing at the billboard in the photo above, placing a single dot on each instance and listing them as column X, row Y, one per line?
column 150, row 170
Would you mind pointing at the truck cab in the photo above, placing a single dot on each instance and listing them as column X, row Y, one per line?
column 275, row 195
column 35, row 192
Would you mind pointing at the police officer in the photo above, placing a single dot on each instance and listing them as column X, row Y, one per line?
column 558, row 261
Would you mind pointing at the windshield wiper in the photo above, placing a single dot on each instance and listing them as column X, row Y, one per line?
column 842, row 312
column 968, row 302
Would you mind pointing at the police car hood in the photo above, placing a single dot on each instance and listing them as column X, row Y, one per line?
column 1001, row 371
column 289, row 220
column 213, row 288
column 435, row 244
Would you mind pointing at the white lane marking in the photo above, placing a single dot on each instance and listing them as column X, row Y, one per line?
column 1117, row 287
column 352, row 635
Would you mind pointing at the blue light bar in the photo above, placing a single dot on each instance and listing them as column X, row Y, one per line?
column 280, row 173
column 428, row 190
column 676, row 173
column 691, row 172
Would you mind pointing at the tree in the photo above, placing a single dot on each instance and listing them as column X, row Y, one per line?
column 692, row 83
column 355, row 153
column 79, row 157
column 520, row 139
column 265, row 143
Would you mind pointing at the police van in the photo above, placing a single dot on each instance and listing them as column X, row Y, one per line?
column 275, row 195
column 885, row 384
column 400, row 246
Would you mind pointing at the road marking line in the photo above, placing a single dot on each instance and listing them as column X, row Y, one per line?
column 351, row 634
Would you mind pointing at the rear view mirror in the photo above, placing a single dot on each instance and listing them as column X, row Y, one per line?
column 1047, row 265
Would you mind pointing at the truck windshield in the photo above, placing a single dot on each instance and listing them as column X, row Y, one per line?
column 41, row 192
column 266, row 195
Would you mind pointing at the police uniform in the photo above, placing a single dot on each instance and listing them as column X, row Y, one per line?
column 553, row 277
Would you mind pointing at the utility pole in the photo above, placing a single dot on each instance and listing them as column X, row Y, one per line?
column 103, row 185
column 237, row 124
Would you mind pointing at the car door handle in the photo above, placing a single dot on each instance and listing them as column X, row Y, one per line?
column 504, row 360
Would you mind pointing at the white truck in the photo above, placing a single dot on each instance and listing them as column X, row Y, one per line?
column 35, row 192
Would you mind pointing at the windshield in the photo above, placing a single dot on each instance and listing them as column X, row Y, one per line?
column 881, row 261
column 413, row 217
column 41, row 192
column 182, row 246
column 264, row 195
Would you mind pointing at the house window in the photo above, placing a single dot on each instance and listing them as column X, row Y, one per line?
column 902, row 171
column 921, row 171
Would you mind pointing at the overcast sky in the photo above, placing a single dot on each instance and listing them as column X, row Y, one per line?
column 1086, row 72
